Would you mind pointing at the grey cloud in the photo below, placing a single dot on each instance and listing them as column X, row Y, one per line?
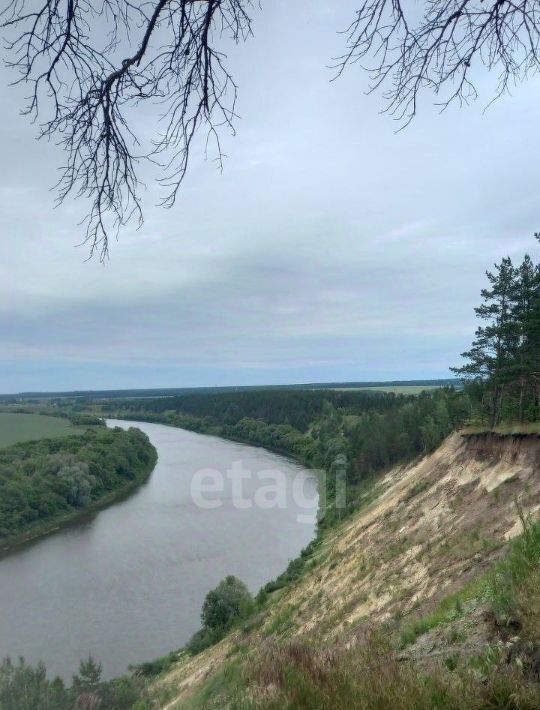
column 330, row 247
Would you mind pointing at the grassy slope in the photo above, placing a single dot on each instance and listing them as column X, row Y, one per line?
column 15, row 427
column 413, row 563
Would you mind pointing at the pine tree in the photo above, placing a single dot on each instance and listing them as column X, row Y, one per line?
column 492, row 354
column 89, row 677
column 502, row 368
column 525, row 315
column 532, row 328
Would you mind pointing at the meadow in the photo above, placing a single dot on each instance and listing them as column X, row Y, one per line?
column 15, row 427
column 396, row 389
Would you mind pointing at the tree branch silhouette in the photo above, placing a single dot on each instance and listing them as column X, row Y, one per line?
column 85, row 96
column 437, row 45
column 90, row 98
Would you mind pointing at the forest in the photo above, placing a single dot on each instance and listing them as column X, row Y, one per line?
column 369, row 431
column 47, row 481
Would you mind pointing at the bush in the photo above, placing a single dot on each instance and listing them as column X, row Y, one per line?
column 203, row 639
column 228, row 602
column 86, row 420
column 223, row 607
column 149, row 669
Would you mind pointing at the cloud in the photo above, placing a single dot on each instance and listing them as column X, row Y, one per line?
column 330, row 247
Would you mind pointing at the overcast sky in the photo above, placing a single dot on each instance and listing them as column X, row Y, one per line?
column 330, row 248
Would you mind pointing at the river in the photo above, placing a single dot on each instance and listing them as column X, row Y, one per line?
column 127, row 584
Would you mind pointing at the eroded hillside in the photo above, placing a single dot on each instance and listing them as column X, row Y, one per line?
column 422, row 534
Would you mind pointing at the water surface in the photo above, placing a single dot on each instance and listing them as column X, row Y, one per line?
column 127, row 585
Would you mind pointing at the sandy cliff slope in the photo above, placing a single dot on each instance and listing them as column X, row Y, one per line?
column 428, row 528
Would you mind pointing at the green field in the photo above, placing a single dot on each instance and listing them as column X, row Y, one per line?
column 397, row 389
column 27, row 427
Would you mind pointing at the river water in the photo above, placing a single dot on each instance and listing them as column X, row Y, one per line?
column 127, row 584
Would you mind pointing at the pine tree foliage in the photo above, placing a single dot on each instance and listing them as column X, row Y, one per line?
column 502, row 367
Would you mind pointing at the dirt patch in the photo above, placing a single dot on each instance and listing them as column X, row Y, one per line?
column 434, row 525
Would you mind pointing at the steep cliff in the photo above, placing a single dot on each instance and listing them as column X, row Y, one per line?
column 422, row 536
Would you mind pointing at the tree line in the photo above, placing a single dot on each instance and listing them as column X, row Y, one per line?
column 297, row 408
column 368, row 431
column 26, row 687
column 502, row 366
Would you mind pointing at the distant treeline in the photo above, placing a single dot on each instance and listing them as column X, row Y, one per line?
column 77, row 418
column 502, row 367
column 369, row 430
column 298, row 408
column 92, row 395
column 46, row 481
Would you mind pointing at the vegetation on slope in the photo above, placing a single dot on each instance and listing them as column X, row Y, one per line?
column 47, row 482
column 223, row 608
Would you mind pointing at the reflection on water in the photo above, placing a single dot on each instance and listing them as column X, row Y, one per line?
column 127, row 586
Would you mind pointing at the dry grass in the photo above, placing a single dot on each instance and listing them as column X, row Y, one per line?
column 528, row 599
column 370, row 677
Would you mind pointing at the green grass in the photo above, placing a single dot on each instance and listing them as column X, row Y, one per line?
column 501, row 588
column 297, row 675
column 15, row 428
column 227, row 682
column 506, row 582
column 282, row 622
column 504, row 429
column 449, row 609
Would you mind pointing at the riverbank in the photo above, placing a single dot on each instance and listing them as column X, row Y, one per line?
column 128, row 586
column 43, row 530
column 297, row 453
column 76, row 475
column 200, row 426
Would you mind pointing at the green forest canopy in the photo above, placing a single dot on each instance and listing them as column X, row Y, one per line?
column 43, row 481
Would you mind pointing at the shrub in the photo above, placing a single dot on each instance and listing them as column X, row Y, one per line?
column 223, row 607
column 229, row 601
column 203, row 639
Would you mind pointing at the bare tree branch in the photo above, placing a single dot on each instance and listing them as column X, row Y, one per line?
column 67, row 52
column 438, row 49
